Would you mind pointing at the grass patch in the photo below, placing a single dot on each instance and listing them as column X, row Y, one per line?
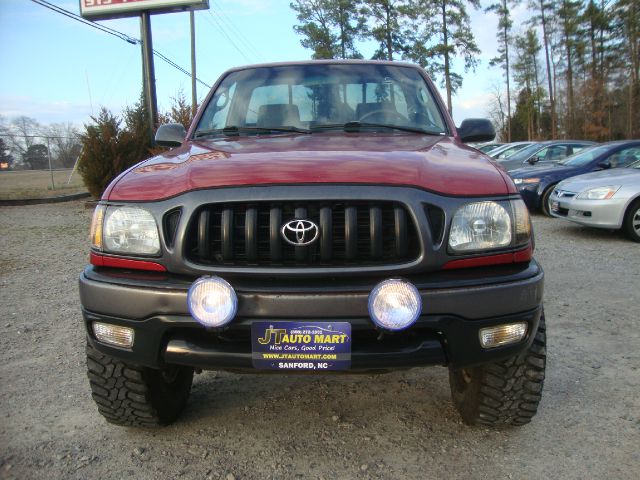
column 21, row 184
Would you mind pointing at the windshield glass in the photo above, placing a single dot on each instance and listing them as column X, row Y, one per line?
column 524, row 153
column 507, row 151
column 319, row 97
column 584, row 156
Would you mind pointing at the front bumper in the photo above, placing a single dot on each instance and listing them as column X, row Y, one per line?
column 531, row 194
column 456, row 304
column 593, row 213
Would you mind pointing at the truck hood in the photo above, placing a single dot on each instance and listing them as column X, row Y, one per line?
column 434, row 163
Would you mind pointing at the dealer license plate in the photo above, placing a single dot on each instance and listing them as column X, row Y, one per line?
column 555, row 206
column 301, row 346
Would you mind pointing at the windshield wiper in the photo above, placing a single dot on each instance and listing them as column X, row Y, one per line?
column 232, row 131
column 356, row 126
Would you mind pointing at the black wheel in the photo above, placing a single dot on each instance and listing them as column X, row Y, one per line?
column 502, row 393
column 545, row 201
column 632, row 221
column 136, row 396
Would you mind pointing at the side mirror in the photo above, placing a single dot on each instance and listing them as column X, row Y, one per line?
column 533, row 160
column 170, row 135
column 476, row 130
column 604, row 165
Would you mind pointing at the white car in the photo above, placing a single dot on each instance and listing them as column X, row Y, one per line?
column 508, row 149
column 605, row 199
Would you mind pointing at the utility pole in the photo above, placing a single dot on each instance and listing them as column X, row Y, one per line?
column 194, row 93
column 148, row 72
column 53, row 185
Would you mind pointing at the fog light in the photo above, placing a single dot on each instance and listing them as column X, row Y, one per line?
column 113, row 334
column 502, row 334
column 212, row 301
column 394, row 304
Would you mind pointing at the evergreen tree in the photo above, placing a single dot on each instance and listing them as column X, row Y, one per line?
column 505, row 23
column 5, row 155
column 456, row 39
column 180, row 112
column 544, row 10
column 101, row 159
column 445, row 34
column 525, row 73
column 108, row 149
column 391, row 24
column 569, row 21
column 330, row 27
column 627, row 17
column 136, row 132
column 348, row 17
column 36, row 157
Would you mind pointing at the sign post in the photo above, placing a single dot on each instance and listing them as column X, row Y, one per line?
column 109, row 9
column 194, row 93
column 148, row 71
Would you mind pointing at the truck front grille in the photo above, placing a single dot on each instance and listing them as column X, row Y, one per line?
column 350, row 233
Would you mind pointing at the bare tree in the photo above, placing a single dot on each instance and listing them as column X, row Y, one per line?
column 496, row 110
column 65, row 143
column 19, row 135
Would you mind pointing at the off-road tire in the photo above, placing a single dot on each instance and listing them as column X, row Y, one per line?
column 544, row 205
column 132, row 395
column 632, row 215
column 502, row 393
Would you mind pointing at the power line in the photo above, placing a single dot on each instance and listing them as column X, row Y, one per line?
column 219, row 27
column 177, row 67
column 224, row 17
column 115, row 33
column 73, row 16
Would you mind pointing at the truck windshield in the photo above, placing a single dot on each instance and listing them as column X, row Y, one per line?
column 308, row 98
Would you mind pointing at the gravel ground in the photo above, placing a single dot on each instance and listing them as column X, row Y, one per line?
column 399, row 425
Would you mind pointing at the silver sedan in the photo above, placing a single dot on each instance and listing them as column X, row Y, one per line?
column 605, row 199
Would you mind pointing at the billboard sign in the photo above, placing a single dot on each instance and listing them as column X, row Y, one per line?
column 106, row 9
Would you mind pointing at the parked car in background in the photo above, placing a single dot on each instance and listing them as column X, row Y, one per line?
column 488, row 147
column 605, row 199
column 536, row 184
column 509, row 149
column 543, row 153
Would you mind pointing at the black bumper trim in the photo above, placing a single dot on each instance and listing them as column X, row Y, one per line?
column 433, row 340
column 470, row 294
column 183, row 352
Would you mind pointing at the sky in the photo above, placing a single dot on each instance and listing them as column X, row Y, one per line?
column 58, row 70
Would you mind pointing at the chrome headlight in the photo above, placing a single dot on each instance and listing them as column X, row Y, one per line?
column 128, row 230
column 599, row 193
column 489, row 225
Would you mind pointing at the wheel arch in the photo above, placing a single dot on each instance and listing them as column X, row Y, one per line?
column 545, row 187
column 632, row 201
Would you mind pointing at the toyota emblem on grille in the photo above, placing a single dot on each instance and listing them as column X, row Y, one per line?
column 300, row 233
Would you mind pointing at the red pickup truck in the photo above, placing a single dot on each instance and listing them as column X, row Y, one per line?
column 317, row 217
